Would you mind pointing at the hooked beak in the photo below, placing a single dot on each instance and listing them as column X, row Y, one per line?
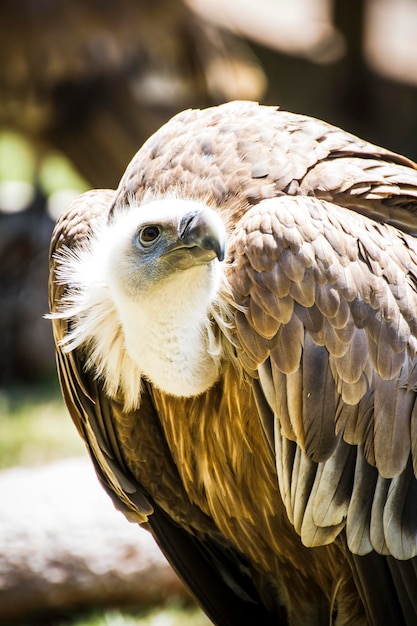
column 204, row 231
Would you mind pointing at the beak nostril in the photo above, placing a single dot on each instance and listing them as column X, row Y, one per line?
column 204, row 229
column 185, row 224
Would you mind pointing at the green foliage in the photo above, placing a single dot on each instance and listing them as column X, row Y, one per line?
column 56, row 173
column 35, row 427
column 17, row 160
column 175, row 615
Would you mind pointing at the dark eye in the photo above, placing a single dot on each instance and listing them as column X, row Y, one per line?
column 149, row 234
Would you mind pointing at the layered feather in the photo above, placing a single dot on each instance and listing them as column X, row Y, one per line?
column 341, row 364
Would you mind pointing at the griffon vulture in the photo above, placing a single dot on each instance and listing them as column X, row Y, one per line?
column 236, row 335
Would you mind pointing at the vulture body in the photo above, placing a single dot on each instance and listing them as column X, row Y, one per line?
column 236, row 334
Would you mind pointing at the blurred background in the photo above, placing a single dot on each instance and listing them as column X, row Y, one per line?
column 82, row 84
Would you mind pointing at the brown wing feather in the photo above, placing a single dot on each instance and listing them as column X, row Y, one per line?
column 322, row 372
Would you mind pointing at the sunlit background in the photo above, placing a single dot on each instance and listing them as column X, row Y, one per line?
column 82, row 84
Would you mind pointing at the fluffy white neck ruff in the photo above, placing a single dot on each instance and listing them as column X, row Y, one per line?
column 169, row 334
column 167, row 337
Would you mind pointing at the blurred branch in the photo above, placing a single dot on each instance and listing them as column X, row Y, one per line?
column 296, row 27
column 96, row 78
column 74, row 550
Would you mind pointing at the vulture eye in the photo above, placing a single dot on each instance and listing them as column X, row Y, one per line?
column 148, row 235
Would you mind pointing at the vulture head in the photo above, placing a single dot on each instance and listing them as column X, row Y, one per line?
column 158, row 270
column 158, row 241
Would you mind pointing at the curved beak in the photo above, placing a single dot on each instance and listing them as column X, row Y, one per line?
column 205, row 231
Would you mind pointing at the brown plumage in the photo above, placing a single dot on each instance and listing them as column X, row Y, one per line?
column 256, row 413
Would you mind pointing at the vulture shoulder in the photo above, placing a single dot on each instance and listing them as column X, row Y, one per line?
column 250, row 152
column 285, row 486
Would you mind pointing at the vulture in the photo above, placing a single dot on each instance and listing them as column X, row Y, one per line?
column 236, row 340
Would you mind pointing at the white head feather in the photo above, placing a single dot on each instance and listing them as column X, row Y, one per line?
column 145, row 312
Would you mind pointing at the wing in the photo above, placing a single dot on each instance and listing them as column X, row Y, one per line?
column 326, row 318
column 132, row 459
